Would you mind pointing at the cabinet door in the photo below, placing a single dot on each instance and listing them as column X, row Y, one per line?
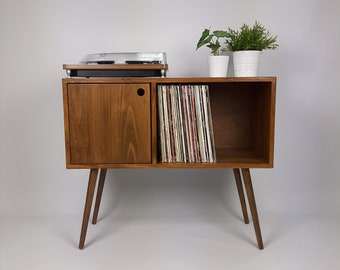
column 109, row 123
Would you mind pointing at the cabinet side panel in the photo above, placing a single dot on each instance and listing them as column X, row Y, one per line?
column 66, row 123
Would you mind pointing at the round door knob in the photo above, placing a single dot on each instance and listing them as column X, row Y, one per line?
column 140, row 92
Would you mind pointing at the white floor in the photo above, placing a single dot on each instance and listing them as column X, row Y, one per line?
column 170, row 243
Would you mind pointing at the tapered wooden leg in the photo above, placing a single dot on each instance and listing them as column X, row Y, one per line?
column 88, row 205
column 99, row 195
column 239, row 185
column 252, row 206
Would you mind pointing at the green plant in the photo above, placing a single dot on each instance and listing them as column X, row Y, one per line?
column 212, row 41
column 248, row 38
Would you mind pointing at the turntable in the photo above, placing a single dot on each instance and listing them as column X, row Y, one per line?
column 141, row 64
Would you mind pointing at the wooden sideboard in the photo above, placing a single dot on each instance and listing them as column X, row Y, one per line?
column 113, row 123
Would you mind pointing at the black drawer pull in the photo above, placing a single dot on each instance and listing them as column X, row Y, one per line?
column 140, row 92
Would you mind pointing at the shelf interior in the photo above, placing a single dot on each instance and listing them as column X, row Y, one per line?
column 242, row 117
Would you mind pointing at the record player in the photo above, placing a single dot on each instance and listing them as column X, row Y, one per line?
column 137, row 64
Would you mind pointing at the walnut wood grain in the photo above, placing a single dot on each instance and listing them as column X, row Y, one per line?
column 109, row 123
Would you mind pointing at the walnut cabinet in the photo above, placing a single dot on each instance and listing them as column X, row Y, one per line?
column 113, row 123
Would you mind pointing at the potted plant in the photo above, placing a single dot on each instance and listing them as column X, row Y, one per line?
column 218, row 63
column 247, row 45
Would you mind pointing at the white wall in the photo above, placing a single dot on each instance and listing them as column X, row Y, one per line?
column 38, row 36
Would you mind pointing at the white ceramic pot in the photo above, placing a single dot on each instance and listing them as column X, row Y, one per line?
column 218, row 65
column 246, row 63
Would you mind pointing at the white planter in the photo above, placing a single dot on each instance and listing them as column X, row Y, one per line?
column 246, row 63
column 218, row 65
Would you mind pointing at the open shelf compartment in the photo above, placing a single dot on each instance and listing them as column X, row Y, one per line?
column 243, row 123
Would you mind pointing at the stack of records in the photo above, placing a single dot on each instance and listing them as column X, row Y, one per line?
column 185, row 124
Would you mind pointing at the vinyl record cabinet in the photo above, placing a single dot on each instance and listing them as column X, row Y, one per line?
column 113, row 123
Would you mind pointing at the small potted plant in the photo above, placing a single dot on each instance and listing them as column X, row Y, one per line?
column 247, row 45
column 218, row 63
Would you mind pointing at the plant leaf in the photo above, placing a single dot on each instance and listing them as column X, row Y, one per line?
column 204, row 39
column 220, row 33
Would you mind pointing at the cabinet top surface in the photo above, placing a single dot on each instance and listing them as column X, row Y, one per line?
column 170, row 80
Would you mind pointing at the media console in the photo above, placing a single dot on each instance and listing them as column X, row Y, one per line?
column 114, row 123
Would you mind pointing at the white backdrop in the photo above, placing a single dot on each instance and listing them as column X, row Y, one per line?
column 38, row 36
